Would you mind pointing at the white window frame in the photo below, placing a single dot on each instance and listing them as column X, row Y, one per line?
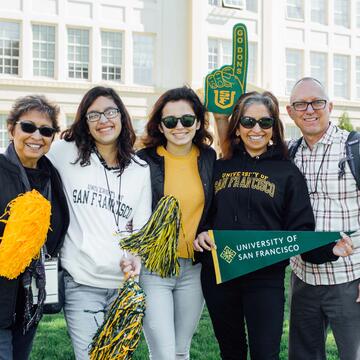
column 357, row 70
column 290, row 82
column 339, row 12
column 4, row 137
column 234, row 4
column 319, row 7
column 223, row 57
column 44, row 46
column 290, row 4
column 346, row 77
column 79, row 65
column 10, row 45
column 142, row 57
column 252, row 62
column 315, row 68
column 117, row 69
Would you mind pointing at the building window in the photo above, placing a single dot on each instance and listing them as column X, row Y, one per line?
column 318, row 11
column 215, row 2
column 219, row 53
column 139, row 126
column 4, row 139
column 341, row 76
column 294, row 66
column 358, row 77
column 69, row 119
column 43, row 50
column 358, row 13
column 252, row 5
column 144, row 52
column 234, row 3
column 9, row 48
column 292, row 131
column 342, row 13
column 294, row 9
column 78, row 53
column 252, row 61
column 111, row 55
column 318, row 63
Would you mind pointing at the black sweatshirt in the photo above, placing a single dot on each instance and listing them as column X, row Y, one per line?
column 265, row 192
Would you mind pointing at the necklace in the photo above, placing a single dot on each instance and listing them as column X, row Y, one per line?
column 115, row 169
column 319, row 170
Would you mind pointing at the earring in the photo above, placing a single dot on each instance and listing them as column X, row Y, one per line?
column 271, row 143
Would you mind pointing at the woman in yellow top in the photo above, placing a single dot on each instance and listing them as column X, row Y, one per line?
column 181, row 164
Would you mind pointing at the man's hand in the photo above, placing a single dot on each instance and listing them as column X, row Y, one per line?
column 130, row 265
column 203, row 242
column 344, row 246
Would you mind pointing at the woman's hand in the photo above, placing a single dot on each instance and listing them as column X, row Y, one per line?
column 130, row 265
column 203, row 242
column 344, row 247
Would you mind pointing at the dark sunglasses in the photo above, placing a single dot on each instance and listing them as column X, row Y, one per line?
column 29, row 128
column 171, row 121
column 249, row 122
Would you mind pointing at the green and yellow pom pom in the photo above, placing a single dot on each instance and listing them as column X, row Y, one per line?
column 25, row 232
column 119, row 335
column 157, row 241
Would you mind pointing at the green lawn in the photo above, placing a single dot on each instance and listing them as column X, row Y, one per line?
column 53, row 343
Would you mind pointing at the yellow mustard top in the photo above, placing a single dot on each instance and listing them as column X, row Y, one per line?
column 182, row 180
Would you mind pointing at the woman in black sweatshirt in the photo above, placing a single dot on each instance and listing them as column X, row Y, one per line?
column 256, row 187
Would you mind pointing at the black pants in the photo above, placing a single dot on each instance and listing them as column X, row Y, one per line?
column 256, row 302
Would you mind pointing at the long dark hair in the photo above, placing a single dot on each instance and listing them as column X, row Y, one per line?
column 79, row 130
column 272, row 105
column 153, row 135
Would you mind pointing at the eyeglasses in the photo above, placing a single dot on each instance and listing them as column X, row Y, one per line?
column 303, row 105
column 249, row 122
column 171, row 121
column 29, row 127
column 110, row 113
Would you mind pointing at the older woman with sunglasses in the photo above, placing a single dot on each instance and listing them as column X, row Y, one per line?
column 255, row 159
column 32, row 124
column 181, row 164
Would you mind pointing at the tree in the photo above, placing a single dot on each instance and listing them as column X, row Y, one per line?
column 345, row 123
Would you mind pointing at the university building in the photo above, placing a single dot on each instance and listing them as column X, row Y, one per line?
column 61, row 48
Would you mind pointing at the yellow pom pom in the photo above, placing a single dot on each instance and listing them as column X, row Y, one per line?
column 25, row 232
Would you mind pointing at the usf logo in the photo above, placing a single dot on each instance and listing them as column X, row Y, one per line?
column 228, row 254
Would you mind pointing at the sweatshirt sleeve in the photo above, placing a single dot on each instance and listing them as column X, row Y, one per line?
column 299, row 216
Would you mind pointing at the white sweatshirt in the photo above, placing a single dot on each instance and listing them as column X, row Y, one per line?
column 91, row 251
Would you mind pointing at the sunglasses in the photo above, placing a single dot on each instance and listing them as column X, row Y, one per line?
column 29, row 128
column 249, row 122
column 171, row 121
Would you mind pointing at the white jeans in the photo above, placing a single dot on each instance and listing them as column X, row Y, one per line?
column 85, row 307
column 173, row 310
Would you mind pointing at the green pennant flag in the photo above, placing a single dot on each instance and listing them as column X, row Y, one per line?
column 225, row 85
column 239, row 252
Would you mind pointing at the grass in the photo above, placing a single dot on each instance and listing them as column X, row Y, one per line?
column 52, row 341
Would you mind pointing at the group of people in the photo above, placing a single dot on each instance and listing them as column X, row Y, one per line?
column 100, row 189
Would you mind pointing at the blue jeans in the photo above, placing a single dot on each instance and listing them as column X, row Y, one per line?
column 14, row 345
column 173, row 310
column 85, row 307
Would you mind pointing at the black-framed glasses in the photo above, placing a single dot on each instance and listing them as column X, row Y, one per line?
column 110, row 113
column 29, row 127
column 171, row 122
column 249, row 122
column 315, row 104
